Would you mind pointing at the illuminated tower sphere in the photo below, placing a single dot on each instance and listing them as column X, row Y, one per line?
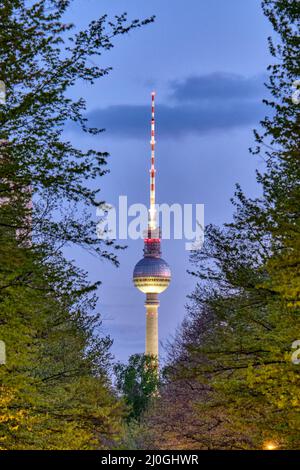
column 152, row 274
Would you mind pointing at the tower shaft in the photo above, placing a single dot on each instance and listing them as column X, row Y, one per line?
column 151, row 304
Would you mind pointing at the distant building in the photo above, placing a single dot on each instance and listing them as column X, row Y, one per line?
column 152, row 274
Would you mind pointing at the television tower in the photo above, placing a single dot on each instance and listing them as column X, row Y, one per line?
column 152, row 274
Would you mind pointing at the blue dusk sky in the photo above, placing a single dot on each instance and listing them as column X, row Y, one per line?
column 207, row 61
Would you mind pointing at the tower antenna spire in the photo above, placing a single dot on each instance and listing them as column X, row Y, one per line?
column 152, row 210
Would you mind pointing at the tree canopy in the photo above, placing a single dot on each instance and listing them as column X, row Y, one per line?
column 55, row 388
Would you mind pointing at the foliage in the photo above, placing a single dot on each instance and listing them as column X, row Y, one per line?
column 55, row 387
column 40, row 62
column 137, row 381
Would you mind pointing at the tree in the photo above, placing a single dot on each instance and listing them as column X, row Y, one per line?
column 40, row 62
column 137, row 382
column 55, row 388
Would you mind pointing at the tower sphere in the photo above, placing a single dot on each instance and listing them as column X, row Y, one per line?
column 152, row 275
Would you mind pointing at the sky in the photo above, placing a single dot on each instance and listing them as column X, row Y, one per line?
column 207, row 62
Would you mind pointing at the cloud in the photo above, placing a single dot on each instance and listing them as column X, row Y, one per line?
column 197, row 105
column 217, row 86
